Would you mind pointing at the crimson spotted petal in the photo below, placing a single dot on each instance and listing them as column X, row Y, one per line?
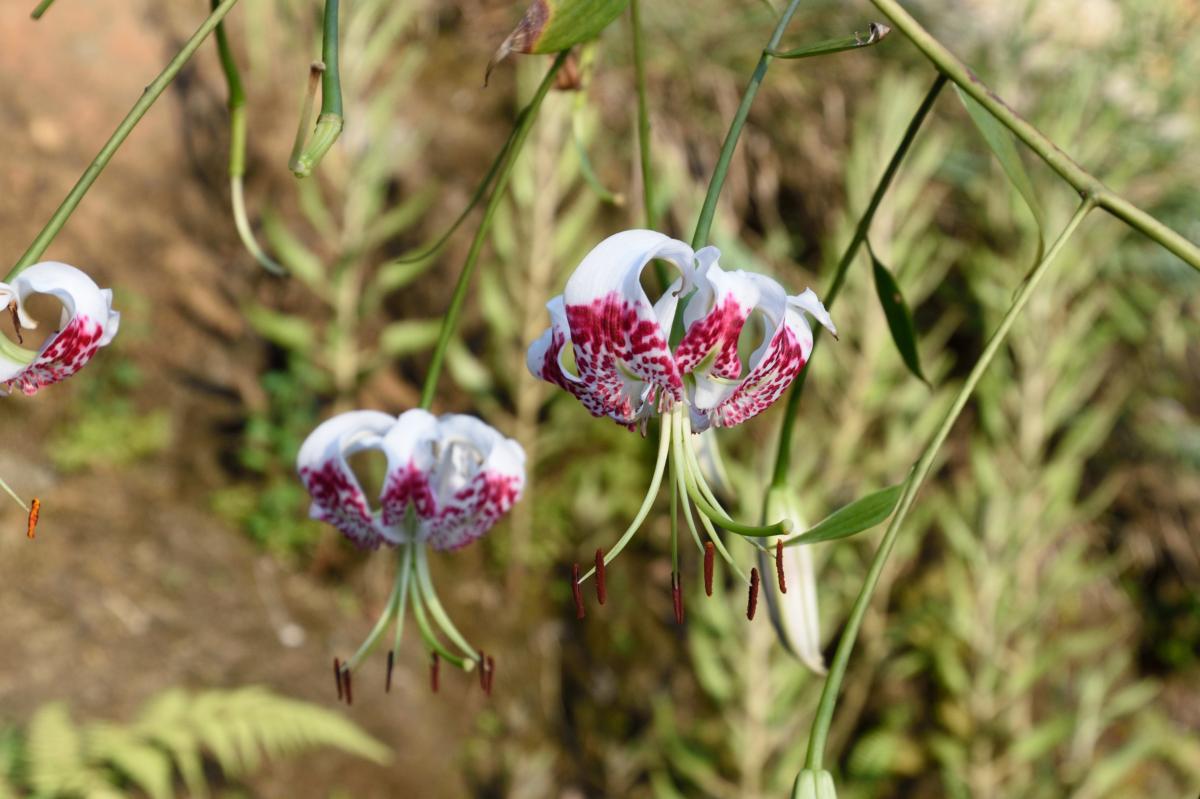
column 88, row 323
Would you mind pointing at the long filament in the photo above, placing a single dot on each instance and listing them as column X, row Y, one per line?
column 437, row 611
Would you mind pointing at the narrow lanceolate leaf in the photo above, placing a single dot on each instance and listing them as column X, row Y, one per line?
column 860, row 515
column 1002, row 143
column 551, row 26
column 899, row 318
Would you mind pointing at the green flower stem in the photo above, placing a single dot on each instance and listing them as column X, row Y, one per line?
column 643, row 118
column 704, row 223
column 330, row 120
column 149, row 96
column 1084, row 182
column 381, row 624
column 42, row 8
column 837, row 669
column 791, row 412
column 430, row 597
column 237, row 151
column 428, row 636
column 660, row 463
column 16, row 497
column 875, row 34
column 524, row 123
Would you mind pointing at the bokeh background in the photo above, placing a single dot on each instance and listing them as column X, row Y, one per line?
column 1037, row 633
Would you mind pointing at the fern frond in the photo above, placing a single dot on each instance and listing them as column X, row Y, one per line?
column 142, row 763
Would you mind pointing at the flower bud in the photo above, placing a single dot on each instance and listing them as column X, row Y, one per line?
column 814, row 784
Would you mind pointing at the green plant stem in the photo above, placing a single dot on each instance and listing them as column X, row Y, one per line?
column 643, row 117
column 837, row 669
column 791, row 411
column 1084, row 182
column 149, row 96
column 875, row 34
column 42, row 8
column 330, row 121
column 704, row 223
column 237, row 151
column 450, row 322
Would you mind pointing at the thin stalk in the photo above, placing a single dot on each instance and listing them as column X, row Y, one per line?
column 430, row 638
column 16, row 497
column 330, row 121
column 875, row 34
column 660, row 463
column 837, row 669
column 149, row 96
column 678, row 464
column 721, row 520
column 1083, row 181
column 643, row 117
column 686, row 458
column 237, row 151
column 381, row 623
column 783, row 452
column 406, row 575
column 42, row 8
column 430, row 597
column 704, row 223
column 450, row 322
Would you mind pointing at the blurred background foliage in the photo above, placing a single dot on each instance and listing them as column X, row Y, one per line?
column 1037, row 633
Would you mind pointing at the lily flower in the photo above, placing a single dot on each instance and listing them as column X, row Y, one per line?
column 88, row 323
column 448, row 481
column 716, row 349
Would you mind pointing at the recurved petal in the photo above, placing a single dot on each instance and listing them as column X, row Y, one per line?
column 619, row 339
column 479, row 476
column 713, row 321
column 337, row 496
column 786, row 345
column 411, row 447
column 88, row 323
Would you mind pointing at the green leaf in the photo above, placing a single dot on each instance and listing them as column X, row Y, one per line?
column 862, row 514
column 1002, row 143
column 408, row 336
column 899, row 317
column 290, row 332
column 551, row 26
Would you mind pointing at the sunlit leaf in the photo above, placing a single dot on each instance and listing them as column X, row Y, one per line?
column 860, row 515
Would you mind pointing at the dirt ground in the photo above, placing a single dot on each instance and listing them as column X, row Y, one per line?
column 132, row 585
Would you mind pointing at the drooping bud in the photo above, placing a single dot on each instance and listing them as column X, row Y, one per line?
column 709, row 558
column 551, row 26
column 814, row 784
column 752, row 602
column 601, row 588
column 577, row 592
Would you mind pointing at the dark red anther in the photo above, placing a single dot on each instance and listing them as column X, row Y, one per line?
column 337, row 677
column 577, row 592
column 709, row 557
column 435, row 667
column 387, row 686
column 677, row 597
column 35, row 510
column 349, row 688
column 779, row 575
column 491, row 674
column 752, row 603
column 601, row 588
column 16, row 320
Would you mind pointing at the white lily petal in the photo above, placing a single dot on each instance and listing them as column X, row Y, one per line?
column 619, row 338
column 337, row 496
column 88, row 323
column 410, row 446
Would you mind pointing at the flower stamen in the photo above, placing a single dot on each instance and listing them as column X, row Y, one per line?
column 601, row 588
column 348, row 687
column 391, row 662
column 577, row 592
column 435, row 666
column 779, row 575
column 16, row 320
column 752, row 601
column 337, row 677
column 35, row 508
column 677, row 596
column 708, row 567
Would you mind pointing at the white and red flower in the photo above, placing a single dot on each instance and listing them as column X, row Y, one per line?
column 624, row 365
column 448, row 480
column 88, row 323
